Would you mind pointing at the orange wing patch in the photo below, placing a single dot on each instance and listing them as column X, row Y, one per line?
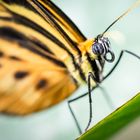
column 27, row 86
column 61, row 18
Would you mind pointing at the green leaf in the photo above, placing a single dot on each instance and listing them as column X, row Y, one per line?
column 115, row 121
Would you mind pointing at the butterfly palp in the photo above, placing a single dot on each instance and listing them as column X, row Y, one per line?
column 102, row 47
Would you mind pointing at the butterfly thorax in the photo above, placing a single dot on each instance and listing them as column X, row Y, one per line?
column 87, row 62
column 94, row 53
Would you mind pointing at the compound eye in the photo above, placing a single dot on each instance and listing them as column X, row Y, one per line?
column 97, row 48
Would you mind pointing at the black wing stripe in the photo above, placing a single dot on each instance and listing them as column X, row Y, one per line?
column 11, row 34
column 56, row 9
column 30, row 24
column 57, row 27
column 41, row 45
column 66, row 18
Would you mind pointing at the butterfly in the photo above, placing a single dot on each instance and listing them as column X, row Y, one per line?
column 40, row 56
column 44, row 57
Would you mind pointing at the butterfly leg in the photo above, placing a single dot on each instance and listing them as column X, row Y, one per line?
column 110, row 72
column 90, row 76
column 72, row 113
column 119, row 59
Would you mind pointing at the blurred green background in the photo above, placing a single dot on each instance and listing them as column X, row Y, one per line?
column 92, row 17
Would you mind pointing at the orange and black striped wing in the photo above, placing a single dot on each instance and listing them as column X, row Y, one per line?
column 32, row 73
column 61, row 18
column 29, row 81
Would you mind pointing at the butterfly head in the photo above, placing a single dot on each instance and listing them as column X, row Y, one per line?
column 101, row 47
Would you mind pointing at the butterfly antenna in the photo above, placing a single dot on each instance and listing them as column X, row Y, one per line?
column 135, row 5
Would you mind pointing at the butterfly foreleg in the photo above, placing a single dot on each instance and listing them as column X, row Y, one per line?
column 90, row 76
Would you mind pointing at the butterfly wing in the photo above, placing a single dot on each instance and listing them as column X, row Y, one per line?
column 28, row 82
column 51, row 19
column 61, row 18
column 32, row 73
